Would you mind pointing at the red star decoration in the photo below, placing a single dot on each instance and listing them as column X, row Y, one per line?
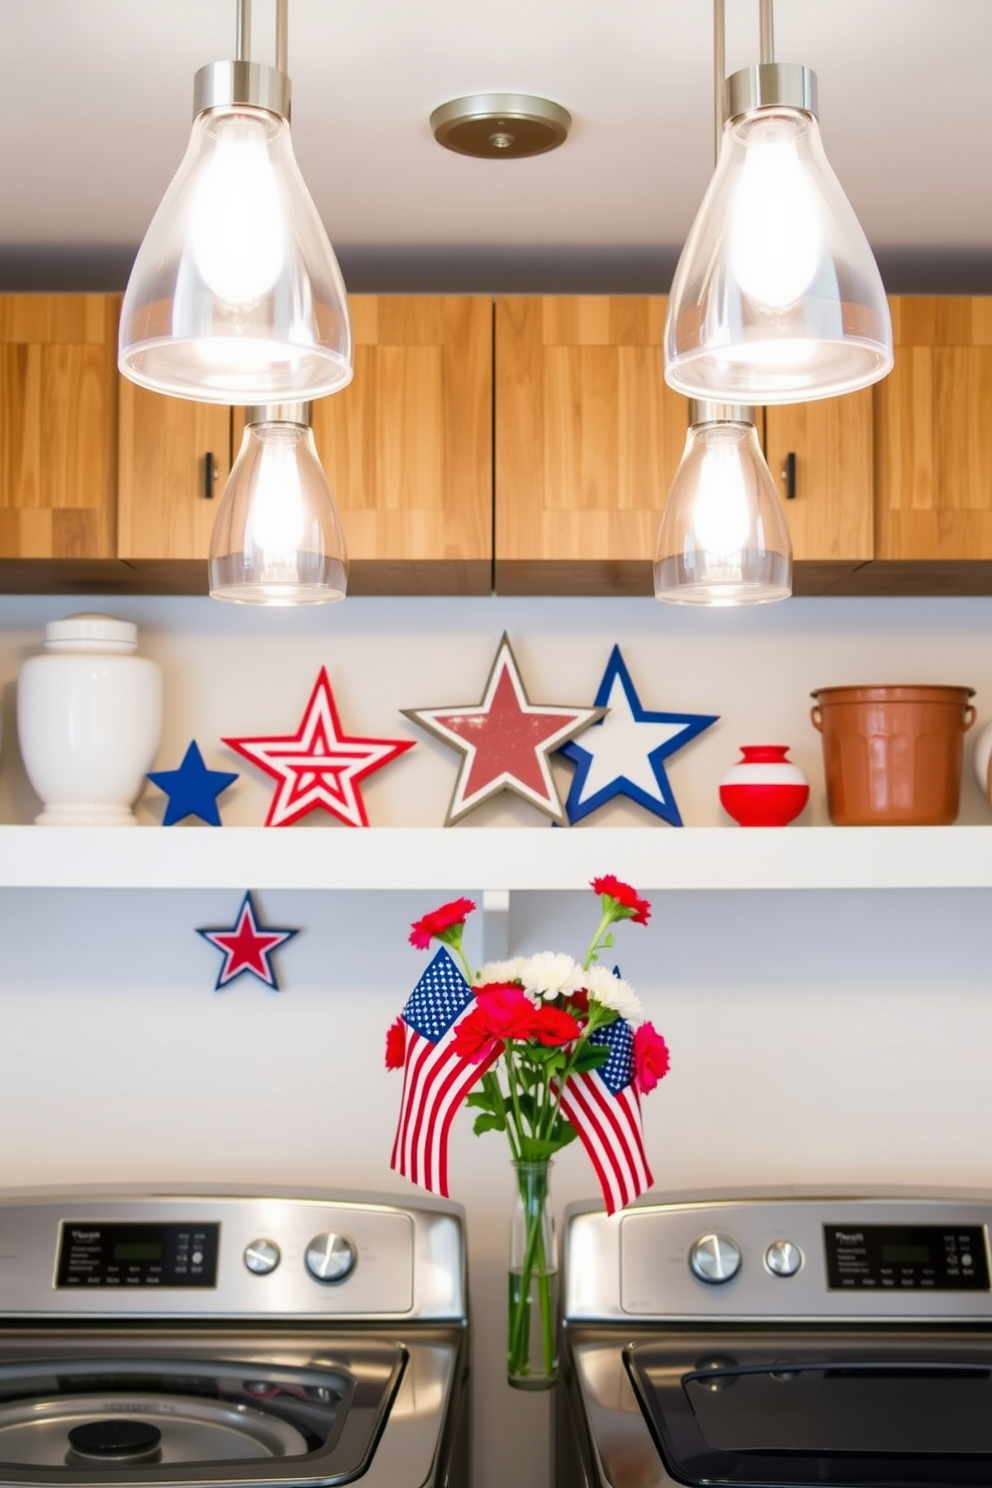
column 319, row 765
column 505, row 740
column 247, row 947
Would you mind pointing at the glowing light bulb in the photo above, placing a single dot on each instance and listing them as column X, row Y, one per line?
column 237, row 235
column 277, row 522
column 721, row 517
column 776, row 236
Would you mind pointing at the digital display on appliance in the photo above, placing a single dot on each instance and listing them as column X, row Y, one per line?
column 900, row 1258
column 137, row 1255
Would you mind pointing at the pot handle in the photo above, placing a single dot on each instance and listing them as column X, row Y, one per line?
column 816, row 719
column 970, row 714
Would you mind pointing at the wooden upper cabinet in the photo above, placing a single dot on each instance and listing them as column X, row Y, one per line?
column 58, row 425
column 407, row 446
column 172, row 454
column 588, row 440
column 933, row 432
column 830, row 513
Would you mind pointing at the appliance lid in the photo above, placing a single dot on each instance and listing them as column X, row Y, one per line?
column 157, row 1418
column 804, row 1409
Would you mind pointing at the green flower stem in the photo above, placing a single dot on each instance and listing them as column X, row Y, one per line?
column 609, row 918
column 490, row 1084
column 532, row 1180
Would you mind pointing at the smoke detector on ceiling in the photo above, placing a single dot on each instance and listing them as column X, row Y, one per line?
column 500, row 126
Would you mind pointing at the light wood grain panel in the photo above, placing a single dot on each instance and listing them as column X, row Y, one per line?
column 407, row 446
column 588, row 438
column 933, row 433
column 58, row 425
column 831, row 516
column 163, row 510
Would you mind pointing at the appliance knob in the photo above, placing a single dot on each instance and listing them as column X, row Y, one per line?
column 715, row 1258
column 262, row 1256
column 783, row 1258
column 330, row 1257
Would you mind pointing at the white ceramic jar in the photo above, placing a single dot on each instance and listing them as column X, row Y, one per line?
column 89, row 719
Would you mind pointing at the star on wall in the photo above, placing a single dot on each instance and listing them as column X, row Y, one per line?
column 192, row 789
column 624, row 755
column 247, row 947
column 320, row 766
column 505, row 740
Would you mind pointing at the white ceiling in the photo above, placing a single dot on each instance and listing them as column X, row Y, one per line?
column 95, row 103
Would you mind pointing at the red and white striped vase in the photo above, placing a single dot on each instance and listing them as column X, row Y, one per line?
column 764, row 788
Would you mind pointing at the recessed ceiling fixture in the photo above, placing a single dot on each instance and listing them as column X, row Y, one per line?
column 277, row 539
column 777, row 297
column 500, row 126
column 235, row 295
column 723, row 537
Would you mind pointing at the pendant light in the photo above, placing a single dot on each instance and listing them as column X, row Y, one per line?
column 777, row 297
column 235, row 295
column 723, row 538
column 277, row 539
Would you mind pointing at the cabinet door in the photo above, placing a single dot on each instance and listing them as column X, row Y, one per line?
column 407, row 446
column 588, row 440
column 827, row 494
column 933, row 432
column 175, row 457
column 58, row 425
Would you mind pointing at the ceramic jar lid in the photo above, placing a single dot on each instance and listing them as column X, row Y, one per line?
column 91, row 633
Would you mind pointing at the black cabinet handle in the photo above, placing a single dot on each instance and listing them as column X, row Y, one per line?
column 210, row 473
column 789, row 475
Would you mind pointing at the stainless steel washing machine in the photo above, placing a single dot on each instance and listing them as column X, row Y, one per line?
column 222, row 1339
column 778, row 1342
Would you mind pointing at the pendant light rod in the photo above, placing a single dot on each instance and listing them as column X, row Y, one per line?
column 282, row 36
column 719, row 72
column 766, row 21
column 242, row 32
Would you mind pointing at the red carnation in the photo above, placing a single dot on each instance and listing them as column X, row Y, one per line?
column 444, row 924
column 474, row 1039
column 625, row 902
column 395, row 1045
column 650, row 1058
column 554, row 1027
column 509, row 1012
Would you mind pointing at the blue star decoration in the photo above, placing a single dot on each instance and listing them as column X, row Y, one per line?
column 624, row 754
column 247, row 947
column 192, row 789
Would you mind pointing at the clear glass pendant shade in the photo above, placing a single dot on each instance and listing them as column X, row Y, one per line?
column 277, row 539
column 723, row 537
column 777, row 297
column 236, row 295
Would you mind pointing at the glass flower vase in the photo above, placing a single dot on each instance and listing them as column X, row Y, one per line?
column 532, row 1344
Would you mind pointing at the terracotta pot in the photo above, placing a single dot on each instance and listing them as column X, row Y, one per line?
column 764, row 788
column 893, row 755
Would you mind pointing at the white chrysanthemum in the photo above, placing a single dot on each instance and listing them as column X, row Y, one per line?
column 500, row 971
column 613, row 992
column 551, row 974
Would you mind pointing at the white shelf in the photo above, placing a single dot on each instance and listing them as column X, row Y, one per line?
column 476, row 860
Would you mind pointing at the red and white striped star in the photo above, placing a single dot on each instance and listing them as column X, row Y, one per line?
column 319, row 767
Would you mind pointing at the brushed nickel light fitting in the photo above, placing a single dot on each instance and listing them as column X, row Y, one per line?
column 500, row 126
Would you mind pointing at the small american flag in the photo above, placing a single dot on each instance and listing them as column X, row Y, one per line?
column 604, row 1107
column 435, row 1079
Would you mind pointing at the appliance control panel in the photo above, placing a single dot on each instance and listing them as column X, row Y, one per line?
column 229, row 1257
column 137, row 1254
column 796, row 1257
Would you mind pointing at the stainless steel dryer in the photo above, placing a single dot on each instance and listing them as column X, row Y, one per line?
column 187, row 1337
column 778, row 1342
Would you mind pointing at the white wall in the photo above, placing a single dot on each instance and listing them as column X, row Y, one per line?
column 834, row 1037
